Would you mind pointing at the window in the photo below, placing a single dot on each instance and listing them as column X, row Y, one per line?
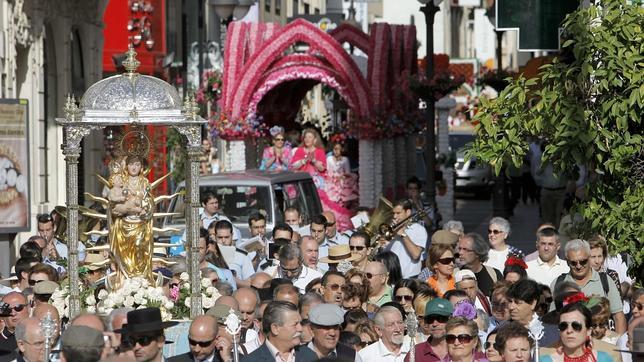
column 267, row 5
column 316, row 11
column 278, row 7
column 307, row 9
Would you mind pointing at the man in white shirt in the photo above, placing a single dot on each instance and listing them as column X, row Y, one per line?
column 410, row 241
column 241, row 265
column 547, row 266
column 332, row 230
column 292, row 218
column 391, row 330
column 318, row 232
column 47, row 230
column 211, row 213
column 291, row 267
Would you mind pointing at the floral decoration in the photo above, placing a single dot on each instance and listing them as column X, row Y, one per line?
column 464, row 309
column 222, row 125
column 60, row 300
column 135, row 293
column 513, row 260
column 180, row 296
column 577, row 297
column 210, row 88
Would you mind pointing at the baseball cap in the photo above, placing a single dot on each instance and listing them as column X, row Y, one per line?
column 464, row 274
column 439, row 306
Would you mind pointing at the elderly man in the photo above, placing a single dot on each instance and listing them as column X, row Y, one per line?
column 30, row 340
column 292, row 267
column 332, row 234
column 391, row 330
column 472, row 252
column 591, row 281
column 116, row 320
column 40, row 312
column 465, row 280
column 498, row 232
column 409, row 242
column 326, row 321
column 248, row 300
column 310, row 252
column 281, row 323
column 437, row 313
column 82, row 344
column 332, row 284
column 18, row 310
column 202, row 337
column 379, row 292
column 547, row 266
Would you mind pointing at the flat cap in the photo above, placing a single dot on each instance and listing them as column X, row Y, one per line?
column 220, row 312
column 45, row 287
column 326, row 314
column 444, row 237
column 82, row 337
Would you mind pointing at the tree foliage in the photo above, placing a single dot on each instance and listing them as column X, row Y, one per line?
column 587, row 105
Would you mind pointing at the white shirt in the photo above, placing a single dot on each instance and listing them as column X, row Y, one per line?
column 496, row 259
column 63, row 251
column 339, row 239
column 251, row 345
column 543, row 273
column 409, row 266
column 242, row 265
column 306, row 276
column 379, row 352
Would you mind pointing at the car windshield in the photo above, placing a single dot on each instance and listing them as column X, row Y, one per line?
column 236, row 202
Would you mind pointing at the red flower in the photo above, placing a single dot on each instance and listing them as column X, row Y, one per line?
column 513, row 260
column 577, row 297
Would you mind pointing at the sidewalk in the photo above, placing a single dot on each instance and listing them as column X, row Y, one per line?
column 475, row 215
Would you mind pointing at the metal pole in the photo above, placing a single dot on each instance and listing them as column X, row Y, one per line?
column 430, row 144
column 499, row 50
column 200, row 38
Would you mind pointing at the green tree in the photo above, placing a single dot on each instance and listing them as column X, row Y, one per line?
column 587, row 104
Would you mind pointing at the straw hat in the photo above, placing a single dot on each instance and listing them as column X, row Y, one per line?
column 95, row 261
column 339, row 253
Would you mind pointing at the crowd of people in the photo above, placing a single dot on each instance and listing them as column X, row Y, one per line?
column 436, row 295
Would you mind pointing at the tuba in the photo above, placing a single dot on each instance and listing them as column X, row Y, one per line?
column 382, row 215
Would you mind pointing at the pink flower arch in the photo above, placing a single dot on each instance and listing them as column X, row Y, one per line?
column 352, row 35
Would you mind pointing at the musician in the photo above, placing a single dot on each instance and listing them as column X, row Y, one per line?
column 410, row 240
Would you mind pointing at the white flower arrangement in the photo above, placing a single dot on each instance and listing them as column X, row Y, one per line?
column 135, row 293
column 180, row 295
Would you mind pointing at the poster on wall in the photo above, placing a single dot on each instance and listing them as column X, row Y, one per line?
column 14, row 166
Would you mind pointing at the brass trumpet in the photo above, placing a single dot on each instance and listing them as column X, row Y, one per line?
column 386, row 232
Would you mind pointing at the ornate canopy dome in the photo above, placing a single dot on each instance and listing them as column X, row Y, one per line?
column 127, row 92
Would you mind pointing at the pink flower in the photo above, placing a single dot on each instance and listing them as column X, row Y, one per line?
column 174, row 293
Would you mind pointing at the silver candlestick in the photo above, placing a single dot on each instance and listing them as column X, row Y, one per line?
column 412, row 329
column 48, row 328
column 233, row 326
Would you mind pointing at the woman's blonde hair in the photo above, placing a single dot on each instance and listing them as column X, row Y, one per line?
column 469, row 324
column 318, row 140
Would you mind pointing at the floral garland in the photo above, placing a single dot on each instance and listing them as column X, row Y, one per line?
column 236, row 129
column 210, row 88
column 134, row 293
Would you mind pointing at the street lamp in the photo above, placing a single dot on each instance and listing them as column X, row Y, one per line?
column 430, row 8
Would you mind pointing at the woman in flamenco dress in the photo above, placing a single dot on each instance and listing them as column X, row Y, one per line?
column 341, row 184
column 278, row 156
column 310, row 157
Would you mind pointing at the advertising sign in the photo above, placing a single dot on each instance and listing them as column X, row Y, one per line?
column 14, row 166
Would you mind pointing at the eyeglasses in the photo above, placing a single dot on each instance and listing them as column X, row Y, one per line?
column 488, row 345
column 446, row 261
column 639, row 306
column 369, row 275
column 43, row 218
column 141, row 340
column 17, row 307
column 407, row 298
column 433, row 318
column 576, row 326
column 34, row 282
column 495, row 232
column 333, row 287
column 578, row 263
column 355, row 247
column 462, row 338
column 202, row 344
column 280, row 139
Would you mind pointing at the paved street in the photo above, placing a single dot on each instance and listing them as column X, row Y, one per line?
column 475, row 214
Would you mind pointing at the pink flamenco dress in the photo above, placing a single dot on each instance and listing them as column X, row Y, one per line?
column 299, row 163
column 280, row 164
column 341, row 184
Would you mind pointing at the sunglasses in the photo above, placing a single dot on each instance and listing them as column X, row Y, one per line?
column 279, row 139
column 17, row 307
column 495, row 232
column 407, row 298
column 578, row 263
column 43, row 218
column 202, row 344
column 334, row 287
column 34, row 282
column 639, row 306
column 462, row 338
column 488, row 345
column 499, row 306
column 141, row 340
column 358, row 248
column 433, row 318
column 363, row 344
column 576, row 326
column 446, row 261
column 369, row 275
